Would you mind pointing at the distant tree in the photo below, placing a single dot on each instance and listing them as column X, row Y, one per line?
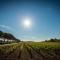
column 46, row 41
column 8, row 36
column 53, row 40
column 17, row 40
column 1, row 34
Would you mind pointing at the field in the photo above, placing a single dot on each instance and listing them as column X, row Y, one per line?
column 30, row 51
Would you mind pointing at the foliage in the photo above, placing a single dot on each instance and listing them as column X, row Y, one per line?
column 53, row 40
column 7, row 36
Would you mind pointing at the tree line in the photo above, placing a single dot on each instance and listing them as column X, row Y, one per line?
column 53, row 40
column 8, row 36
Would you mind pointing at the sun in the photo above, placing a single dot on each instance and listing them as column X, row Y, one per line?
column 27, row 22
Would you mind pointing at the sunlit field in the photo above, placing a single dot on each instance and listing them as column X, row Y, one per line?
column 29, row 29
column 30, row 51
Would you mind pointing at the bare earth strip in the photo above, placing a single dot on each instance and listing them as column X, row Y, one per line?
column 24, row 51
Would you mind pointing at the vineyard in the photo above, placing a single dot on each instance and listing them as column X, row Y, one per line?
column 30, row 51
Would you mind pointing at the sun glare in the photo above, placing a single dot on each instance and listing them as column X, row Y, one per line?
column 27, row 23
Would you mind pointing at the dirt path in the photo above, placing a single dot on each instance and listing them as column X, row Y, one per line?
column 25, row 51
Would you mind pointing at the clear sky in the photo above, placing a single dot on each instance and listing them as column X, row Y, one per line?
column 43, row 14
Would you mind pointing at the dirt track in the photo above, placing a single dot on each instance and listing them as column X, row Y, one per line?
column 27, row 52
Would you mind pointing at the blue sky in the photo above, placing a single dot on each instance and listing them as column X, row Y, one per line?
column 44, row 15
